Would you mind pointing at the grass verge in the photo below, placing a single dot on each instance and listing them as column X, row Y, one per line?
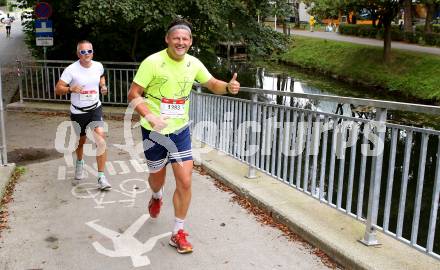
column 409, row 73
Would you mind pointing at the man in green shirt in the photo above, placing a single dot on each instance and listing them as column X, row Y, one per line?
column 165, row 79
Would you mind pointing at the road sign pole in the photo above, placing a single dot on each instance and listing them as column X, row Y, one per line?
column 46, row 75
column 43, row 33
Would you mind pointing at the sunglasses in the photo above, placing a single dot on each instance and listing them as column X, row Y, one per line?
column 85, row 52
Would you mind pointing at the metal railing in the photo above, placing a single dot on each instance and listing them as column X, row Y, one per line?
column 3, row 149
column 37, row 80
column 384, row 174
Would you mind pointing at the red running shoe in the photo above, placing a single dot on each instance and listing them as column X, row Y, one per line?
column 154, row 207
column 180, row 243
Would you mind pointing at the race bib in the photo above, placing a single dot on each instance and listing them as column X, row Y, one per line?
column 172, row 108
column 88, row 95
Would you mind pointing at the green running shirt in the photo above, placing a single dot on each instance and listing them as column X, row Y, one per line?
column 163, row 77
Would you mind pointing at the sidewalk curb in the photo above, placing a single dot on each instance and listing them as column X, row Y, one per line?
column 6, row 172
column 278, row 216
column 64, row 109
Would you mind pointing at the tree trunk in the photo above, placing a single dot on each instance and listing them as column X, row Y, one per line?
column 430, row 10
column 407, row 15
column 380, row 22
column 354, row 18
column 374, row 18
column 134, row 45
column 296, row 12
column 387, row 40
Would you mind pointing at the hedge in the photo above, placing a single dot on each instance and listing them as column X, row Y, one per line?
column 418, row 37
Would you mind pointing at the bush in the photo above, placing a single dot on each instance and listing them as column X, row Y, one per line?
column 432, row 39
column 411, row 37
column 347, row 29
column 370, row 31
column 356, row 30
column 367, row 31
column 2, row 3
column 421, row 28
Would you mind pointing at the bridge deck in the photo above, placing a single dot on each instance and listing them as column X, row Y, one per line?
column 49, row 217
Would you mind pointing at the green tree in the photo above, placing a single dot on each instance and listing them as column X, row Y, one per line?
column 431, row 7
column 125, row 24
column 386, row 11
column 66, row 33
column 131, row 29
column 407, row 17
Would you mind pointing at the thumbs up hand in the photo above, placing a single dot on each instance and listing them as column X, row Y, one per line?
column 233, row 86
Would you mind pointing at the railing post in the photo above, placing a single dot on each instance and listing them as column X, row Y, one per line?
column 46, row 72
column 253, row 136
column 370, row 238
column 4, row 153
column 20, row 83
column 199, row 112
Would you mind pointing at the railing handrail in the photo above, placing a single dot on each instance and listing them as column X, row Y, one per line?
column 71, row 61
column 390, row 105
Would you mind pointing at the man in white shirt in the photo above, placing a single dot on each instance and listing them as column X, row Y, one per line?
column 84, row 79
column 8, row 21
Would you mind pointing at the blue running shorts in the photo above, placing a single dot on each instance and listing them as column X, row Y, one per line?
column 160, row 149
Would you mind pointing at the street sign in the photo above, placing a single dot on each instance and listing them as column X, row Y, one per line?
column 44, row 41
column 43, row 28
column 43, row 32
column 43, row 10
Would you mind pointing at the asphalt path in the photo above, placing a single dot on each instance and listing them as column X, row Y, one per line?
column 14, row 47
column 53, row 225
column 11, row 49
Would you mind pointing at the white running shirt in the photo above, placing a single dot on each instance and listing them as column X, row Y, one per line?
column 8, row 21
column 88, row 78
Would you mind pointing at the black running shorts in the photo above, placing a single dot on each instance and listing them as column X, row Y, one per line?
column 92, row 118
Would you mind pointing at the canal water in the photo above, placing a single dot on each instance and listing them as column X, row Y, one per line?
column 283, row 78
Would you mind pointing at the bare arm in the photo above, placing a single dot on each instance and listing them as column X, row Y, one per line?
column 102, row 85
column 220, row 87
column 62, row 88
column 135, row 98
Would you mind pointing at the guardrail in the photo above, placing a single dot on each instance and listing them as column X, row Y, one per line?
column 386, row 175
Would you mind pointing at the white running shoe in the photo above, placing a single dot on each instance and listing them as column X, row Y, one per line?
column 79, row 171
column 103, row 183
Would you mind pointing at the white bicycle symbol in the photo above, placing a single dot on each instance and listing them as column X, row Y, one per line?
column 129, row 188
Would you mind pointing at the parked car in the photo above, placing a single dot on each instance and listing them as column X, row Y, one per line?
column 2, row 16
